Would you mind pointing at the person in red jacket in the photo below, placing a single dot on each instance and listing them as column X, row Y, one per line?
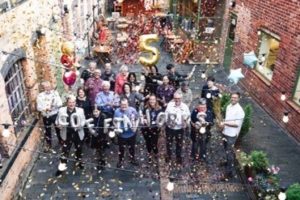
column 121, row 79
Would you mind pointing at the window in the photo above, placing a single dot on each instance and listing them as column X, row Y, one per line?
column 232, row 26
column 296, row 97
column 268, row 52
column 17, row 95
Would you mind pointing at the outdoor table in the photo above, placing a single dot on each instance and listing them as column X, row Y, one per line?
column 102, row 53
column 122, row 26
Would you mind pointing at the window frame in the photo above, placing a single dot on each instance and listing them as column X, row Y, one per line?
column 17, row 95
column 268, row 34
column 297, row 101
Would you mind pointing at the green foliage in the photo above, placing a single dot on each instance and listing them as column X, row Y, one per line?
column 246, row 126
column 293, row 192
column 260, row 161
column 225, row 101
column 244, row 159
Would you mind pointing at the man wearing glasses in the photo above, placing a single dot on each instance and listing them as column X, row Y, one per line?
column 177, row 114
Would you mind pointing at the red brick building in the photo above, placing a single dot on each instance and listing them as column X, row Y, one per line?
column 272, row 30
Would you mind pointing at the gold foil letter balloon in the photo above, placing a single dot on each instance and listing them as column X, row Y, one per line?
column 144, row 46
column 68, row 48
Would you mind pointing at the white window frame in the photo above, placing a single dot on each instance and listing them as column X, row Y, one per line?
column 263, row 52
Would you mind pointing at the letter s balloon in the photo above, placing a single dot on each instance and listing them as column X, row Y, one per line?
column 144, row 46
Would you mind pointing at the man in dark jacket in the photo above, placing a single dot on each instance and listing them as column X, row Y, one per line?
column 98, row 136
column 175, row 77
column 201, row 123
column 109, row 75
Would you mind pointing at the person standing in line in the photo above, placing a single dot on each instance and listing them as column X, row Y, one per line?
column 150, row 129
column 186, row 92
column 48, row 103
column 107, row 100
column 177, row 114
column 128, row 135
column 210, row 92
column 93, row 86
column 98, row 137
column 232, row 125
column 88, row 73
column 109, row 75
column 165, row 92
column 134, row 98
column 152, row 80
column 132, row 80
column 71, row 120
column 201, row 123
column 121, row 79
column 175, row 77
column 83, row 102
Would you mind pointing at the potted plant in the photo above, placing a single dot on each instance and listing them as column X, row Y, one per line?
column 260, row 161
column 246, row 163
column 293, row 192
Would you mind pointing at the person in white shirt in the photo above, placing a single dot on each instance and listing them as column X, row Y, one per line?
column 48, row 103
column 231, row 128
column 177, row 114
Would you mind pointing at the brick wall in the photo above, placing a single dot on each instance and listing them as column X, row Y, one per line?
column 19, row 33
column 282, row 18
column 19, row 170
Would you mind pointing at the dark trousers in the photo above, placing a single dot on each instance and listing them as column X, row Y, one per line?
column 72, row 138
column 123, row 142
column 151, row 139
column 101, row 153
column 178, row 135
column 48, row 121
column 229, row 150
column 99, row 143
column 199, row 143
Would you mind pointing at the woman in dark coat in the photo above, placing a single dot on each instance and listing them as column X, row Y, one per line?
column 150, row 128
column 98, row 137
column 83, row 102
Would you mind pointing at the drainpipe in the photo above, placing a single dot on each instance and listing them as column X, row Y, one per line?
column 198, row 19
column 175, row 18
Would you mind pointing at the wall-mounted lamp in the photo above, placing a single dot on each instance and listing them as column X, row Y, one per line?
column 283, row 96
column 263, row 57
column 282, row 196
column 285, row 117
column 207, row 61
column 232, row 3
column 170, row 186
column 6, row 132
column 41, row 32
column 66, row 9
column 258, row 32
column 203, row 75
column 55, row 18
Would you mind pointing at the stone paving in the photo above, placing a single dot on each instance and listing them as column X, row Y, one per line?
column 89, row 183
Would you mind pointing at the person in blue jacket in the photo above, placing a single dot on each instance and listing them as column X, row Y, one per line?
column 127, row 134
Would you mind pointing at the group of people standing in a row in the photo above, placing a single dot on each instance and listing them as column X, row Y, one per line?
column 130, row 106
